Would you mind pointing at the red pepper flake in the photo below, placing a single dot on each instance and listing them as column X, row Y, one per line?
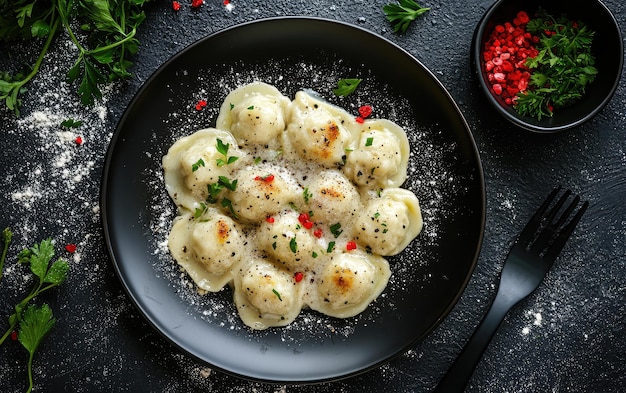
column 175, row 5
column 196, row 3
column 226, row 2
column 305, row 220
column 71, row 248
column 201, row 104
column 351, row 245
column 317, row 233
column 79, row 140
column 265, row 179
column 359, row 119
column 270, row 219
column 298, row 276
column 365, row 111
column 14, row 335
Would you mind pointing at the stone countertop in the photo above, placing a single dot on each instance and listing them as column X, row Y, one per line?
column 569, row 335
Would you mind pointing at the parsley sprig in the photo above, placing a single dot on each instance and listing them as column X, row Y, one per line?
column 401, row 15
column 563, row 67
column 35, row 322
column 105, row 41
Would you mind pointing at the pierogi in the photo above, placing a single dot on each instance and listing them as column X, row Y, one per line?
column 294, row 204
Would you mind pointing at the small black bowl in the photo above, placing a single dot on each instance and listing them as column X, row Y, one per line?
column 607, row 47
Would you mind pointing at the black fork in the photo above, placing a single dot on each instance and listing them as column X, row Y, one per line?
column 527, row 263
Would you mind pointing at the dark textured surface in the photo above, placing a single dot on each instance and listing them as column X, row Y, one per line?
column 568, row 336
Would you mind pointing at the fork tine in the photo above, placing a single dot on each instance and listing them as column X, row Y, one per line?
column 551, row 228
column 529, row 230
column 560, row 241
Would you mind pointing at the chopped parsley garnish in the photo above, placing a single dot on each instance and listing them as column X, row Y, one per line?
column 197, row 165
column 336, row 230
column 293, row 245
column 71, row 123
column 331, row 247
column 223, row 150
column 277, row 294
column 346, row 87
column 369, row 141
column 306, row 194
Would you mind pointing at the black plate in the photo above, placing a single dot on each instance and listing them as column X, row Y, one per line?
column 295, row 53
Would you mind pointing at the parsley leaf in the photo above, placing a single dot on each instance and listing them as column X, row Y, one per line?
column 35, row 325
column 223, row 150
column 71, row 123
column 401, row 15
column 106, row 40
column 346, row 87
column 562, row 69
column 35, row 322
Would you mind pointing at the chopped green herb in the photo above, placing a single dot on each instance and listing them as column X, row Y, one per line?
column 277, row 294
column 232, row 106
column 369, row 141
column 226, row 182
column 346, row 87
column 71, row 123
column 199, row 211
column 223, row 150
column 197, row 165
column 562, row 69
column 331, row 246
column 314, row 254
column 336, row 230
column 306, row 194
column 227, row 203
column 274, row 245
column 293, row 245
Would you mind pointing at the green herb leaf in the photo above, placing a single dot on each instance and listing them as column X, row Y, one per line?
column 277, row 294
column 306, row 194
column 293, row 245
column 197, row 165
column 38, row 257
column 346, row 87
column 36, row 323
column 401, row 15
column 57, row 272
column 71, row 123
column 331, row 247
column 562, row 69
column 369, row 141
column 336, row 230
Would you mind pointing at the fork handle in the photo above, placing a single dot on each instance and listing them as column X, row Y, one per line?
column 457, row 376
